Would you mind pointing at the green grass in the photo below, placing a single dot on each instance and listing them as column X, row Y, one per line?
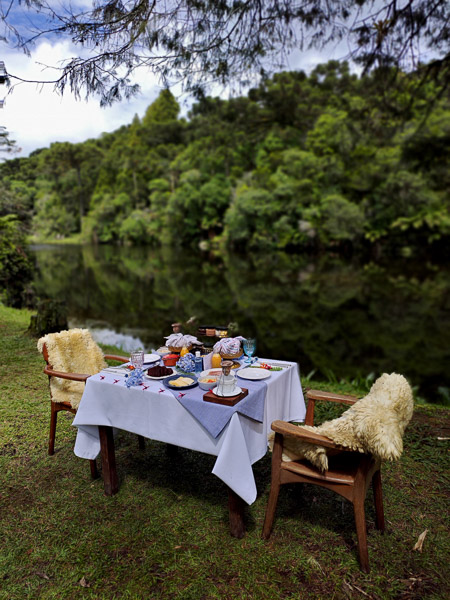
column 165, row 534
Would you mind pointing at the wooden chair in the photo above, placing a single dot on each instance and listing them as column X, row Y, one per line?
column 349, row 473
column 58, row 406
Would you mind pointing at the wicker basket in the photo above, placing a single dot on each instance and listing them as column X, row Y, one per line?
column 232, row 356
column 177, row 350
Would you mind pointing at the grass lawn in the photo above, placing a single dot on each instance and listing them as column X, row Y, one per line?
column 165, row 534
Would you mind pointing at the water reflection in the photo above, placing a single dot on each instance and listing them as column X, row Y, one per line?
column 327, row 313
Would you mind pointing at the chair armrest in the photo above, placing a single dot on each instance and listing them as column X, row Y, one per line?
column 303, row 434
column 122, row 359
column 61, row 375
column 329, row 396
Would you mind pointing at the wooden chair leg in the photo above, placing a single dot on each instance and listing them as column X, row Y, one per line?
column 378, row 499
column 361, row 532
column 274, row 486
column 141, row 442
column 53, row 419
column 270, row 510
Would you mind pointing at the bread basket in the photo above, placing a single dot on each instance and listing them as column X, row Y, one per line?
column 229, row 348
column 177, row 341
column 178, row 349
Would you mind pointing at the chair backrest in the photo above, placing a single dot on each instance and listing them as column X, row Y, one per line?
column 71, row 351
column 373, row 425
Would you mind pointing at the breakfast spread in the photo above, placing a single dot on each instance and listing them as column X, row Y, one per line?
column 181, row 382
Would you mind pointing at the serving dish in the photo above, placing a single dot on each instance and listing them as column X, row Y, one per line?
column 163, row 350
column 167, row 381
column 237, row 391
column 253, row 374
column 170, row 360
column 151, row 358
column 156, row 378
column 216, row 372
column 208, row 384
column 225, row 400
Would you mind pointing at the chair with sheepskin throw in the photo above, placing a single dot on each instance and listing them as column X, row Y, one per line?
column 345, row 454
column 71, row 356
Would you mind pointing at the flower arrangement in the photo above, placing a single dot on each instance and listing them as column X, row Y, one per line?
column 135, row 377
column 186, row 363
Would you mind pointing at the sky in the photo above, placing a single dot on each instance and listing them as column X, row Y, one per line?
column 36, row 115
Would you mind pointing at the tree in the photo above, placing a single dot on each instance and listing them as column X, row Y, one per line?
column 205, row 41
column 6, row 143
column 15, row 266
column 306, row 161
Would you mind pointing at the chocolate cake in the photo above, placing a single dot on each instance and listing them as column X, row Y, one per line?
column 159, row 371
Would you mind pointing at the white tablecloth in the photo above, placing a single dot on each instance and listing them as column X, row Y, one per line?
column 156, row 414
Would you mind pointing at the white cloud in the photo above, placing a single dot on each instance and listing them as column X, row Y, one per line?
column 36, row 115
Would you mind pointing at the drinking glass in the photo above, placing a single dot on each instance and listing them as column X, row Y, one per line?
column 137, row 359
column 249, row 346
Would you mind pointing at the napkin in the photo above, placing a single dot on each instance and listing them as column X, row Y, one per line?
column 178, row 340
column 228, row 345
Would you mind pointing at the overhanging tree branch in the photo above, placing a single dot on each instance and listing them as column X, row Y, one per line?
column 201, row 41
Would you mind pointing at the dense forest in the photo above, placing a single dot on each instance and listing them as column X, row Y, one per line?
column 332, row 159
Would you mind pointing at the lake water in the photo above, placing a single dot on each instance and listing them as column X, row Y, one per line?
column 342, row 317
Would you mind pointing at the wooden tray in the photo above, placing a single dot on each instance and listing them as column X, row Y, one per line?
column 227, row 401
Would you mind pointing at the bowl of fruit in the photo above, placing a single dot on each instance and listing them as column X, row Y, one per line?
column 207, row 382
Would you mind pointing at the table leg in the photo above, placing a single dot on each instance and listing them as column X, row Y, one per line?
column 236, row 510
column 110, row 480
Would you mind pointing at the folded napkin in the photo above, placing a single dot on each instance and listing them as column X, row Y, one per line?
column 228, row 345
column 178, row 340
column 214, row 417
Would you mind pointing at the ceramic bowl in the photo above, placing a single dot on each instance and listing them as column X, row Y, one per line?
column 170, row 360
column 207, row 383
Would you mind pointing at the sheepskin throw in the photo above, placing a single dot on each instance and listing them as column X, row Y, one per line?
column 72, row 351
column 374, row 425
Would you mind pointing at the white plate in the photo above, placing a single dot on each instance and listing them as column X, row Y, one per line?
column 255, row 374
column 157, row 378
column 209, row 372
column 151, row 358
column 237, row 390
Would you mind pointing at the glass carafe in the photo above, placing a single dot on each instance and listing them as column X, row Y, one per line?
column 226, row 385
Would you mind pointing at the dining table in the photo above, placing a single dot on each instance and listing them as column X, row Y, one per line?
column 236, row 435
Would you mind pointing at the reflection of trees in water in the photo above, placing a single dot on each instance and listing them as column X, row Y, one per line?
column 326, row 313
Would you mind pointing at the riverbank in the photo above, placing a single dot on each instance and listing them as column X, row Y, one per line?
column 166, row 536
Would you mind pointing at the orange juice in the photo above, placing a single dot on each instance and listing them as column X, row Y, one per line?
column 216, row 360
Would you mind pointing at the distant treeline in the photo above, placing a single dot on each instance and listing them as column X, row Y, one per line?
column 325, row 160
